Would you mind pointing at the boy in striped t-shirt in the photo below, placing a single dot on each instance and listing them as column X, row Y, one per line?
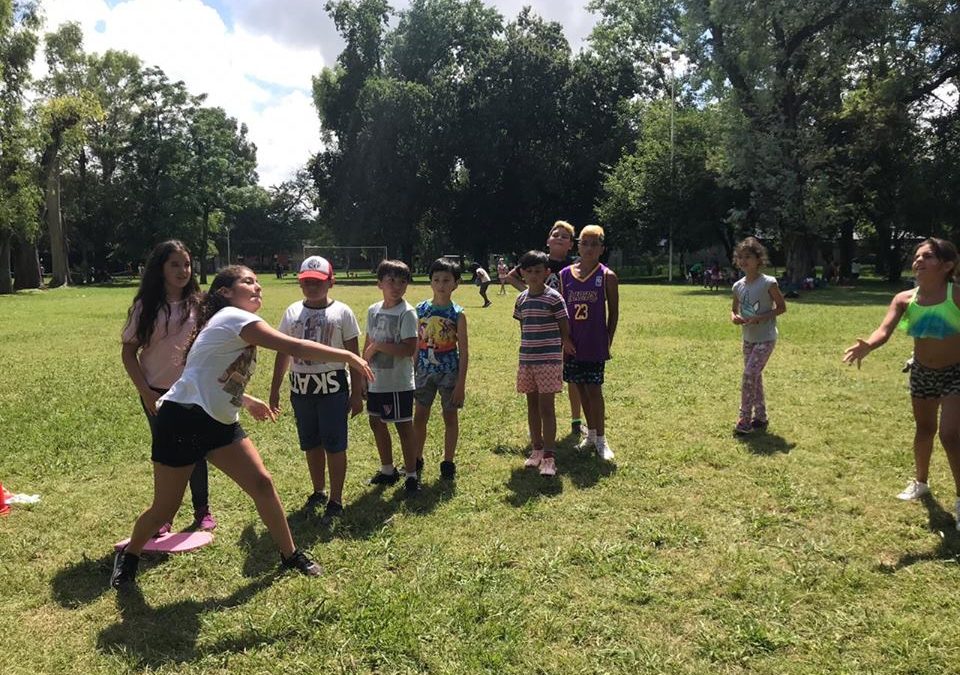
column 544, row 337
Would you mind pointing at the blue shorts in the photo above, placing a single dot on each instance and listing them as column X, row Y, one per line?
column 390, row 406
column 583, row 372
column 322, row 420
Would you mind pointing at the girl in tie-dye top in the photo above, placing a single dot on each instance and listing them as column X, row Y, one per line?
column 930, row 313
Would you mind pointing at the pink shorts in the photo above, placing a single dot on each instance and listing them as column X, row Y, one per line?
column 543, row 378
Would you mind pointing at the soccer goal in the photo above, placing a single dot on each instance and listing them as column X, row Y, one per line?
column 349, row 261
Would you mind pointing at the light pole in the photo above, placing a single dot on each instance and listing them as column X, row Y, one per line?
column 668, row 58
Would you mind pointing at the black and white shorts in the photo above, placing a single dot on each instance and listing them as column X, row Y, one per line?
column 934, row 382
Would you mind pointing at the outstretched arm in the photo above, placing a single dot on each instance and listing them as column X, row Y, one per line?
column 857, row 352
column 259, row 333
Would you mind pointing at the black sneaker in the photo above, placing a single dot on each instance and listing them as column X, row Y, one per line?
column 575, row 428
column 380, row 478
column 299, row 561
column 760, row 425
column 448, row 470
column 411, row 485
column 333, row 511
column 124, row 569
column 315, row 501
column 419, row 468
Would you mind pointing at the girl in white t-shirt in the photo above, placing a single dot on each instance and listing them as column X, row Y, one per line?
column 159, row 324
column 199, row 416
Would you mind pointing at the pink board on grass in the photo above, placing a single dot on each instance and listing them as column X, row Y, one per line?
column 173, row 542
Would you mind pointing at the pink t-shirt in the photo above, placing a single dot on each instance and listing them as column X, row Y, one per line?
column 162, row 360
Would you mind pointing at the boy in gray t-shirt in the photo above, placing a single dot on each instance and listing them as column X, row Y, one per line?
column 389, row 347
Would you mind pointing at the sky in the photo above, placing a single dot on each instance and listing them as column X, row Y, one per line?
column 253, row 58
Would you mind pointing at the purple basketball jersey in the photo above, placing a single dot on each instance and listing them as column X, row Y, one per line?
column 587, row 310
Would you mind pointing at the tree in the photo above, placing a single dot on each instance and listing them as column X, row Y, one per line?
column 642, row 197
column 222, row 159
column 781, row 66
column 62, row 122
column 19, row 194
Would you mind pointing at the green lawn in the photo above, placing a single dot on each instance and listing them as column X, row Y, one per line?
column 696, row 553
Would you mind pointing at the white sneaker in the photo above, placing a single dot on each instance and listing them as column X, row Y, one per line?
column 914, row 490
column 605, row 452
column 586, row 443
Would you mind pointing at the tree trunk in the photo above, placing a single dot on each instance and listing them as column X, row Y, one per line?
column 58, row 239
column 204, row 234
column 26, row 265
column 801, row 253
column 6, row 286
column 846, row 249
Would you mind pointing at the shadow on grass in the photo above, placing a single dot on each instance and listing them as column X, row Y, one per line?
column 762, row 443
column 156, row 636
column 361, row 519
column 82, row 582
column 527, row 484
column 942, row 523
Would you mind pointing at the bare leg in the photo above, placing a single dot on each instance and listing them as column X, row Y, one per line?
column 950, row 435
column 338, row 474
column 533, row 420
column 169, row 484
column 381, row 434
column 451, row 433
column 583, row 397
column 421, row 415
column 316, row 464
column 241, row 462
column 408, row 446
column 594, row 406
column 548, row 418
column 925, row 415
column 574, row 394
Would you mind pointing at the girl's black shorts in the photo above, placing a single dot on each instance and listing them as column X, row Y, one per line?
column 185, row 433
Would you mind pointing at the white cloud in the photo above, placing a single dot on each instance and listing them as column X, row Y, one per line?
column 255, row 60
column 260, row 81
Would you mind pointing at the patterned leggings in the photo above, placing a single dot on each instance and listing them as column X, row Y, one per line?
column 755, row 357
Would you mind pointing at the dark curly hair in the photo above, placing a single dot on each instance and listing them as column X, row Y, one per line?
column 753, row 246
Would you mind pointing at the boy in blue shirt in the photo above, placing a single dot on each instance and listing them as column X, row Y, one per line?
column 442, row 360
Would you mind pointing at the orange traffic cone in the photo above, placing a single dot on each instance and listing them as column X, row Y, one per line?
column 4, row 507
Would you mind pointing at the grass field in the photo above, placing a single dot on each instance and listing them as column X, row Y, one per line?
column 696, row 553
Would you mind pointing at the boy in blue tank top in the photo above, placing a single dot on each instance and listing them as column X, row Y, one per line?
column 441, row 365
column 590, row 290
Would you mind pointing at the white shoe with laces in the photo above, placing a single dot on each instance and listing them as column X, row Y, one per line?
column 914, row 490
column 605, row 452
